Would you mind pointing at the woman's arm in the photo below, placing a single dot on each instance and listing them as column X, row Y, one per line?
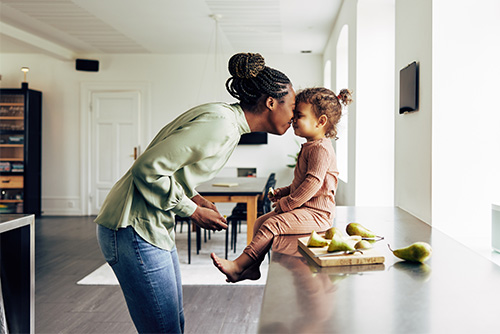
column 154, row 172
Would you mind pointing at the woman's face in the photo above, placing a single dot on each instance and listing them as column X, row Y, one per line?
column 282, row 114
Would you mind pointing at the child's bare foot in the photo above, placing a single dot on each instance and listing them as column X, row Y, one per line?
column 232, row 270
column 228, row 268
column 252, row 273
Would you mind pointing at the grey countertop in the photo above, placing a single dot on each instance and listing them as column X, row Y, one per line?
column 12, row 221
column 455, row 291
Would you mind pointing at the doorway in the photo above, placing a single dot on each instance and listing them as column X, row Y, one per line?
column 114, row 141
column 116, row 120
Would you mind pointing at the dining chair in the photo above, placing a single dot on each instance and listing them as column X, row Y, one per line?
column 190, row 228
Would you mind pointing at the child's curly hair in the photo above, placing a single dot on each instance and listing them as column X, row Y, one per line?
column 325, row 102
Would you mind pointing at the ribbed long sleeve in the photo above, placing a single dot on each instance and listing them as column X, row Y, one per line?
column 315, row 178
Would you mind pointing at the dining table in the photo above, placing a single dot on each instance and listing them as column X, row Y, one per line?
column 236, row 190
column 455, row 291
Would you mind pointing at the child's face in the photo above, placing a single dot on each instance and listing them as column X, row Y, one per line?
column 306, row 124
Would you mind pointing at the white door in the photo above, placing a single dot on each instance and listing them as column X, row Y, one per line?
column 114, row 141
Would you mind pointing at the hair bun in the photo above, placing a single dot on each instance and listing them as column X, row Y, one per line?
column 345, row 96
column 246, row 65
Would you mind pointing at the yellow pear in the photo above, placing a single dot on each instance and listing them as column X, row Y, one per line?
column 339, row 244
column 416, row 252
column 363, row 244
column 316, row 240
column 358, row 229
column 333, row 231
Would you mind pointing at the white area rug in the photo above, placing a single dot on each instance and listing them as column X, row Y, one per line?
column 191, row 275
column 201, row 271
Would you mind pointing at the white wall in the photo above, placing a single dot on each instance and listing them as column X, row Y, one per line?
column 413, row 132
column 466, row 118
column 375, row 100
column 370, row 130
column 176, row 82
column 347, row 16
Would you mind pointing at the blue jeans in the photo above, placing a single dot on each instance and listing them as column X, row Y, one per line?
column 149, row 278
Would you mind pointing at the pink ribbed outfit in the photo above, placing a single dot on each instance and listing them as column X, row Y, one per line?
column 307, row 204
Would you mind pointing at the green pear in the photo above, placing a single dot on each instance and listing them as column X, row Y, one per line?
column 316, row 240
column 363, row 244
column 416, row 252
column 358, row 229
column 333, row 231
column 339, row 244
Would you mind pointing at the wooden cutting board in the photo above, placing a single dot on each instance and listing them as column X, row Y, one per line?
column 370, row 256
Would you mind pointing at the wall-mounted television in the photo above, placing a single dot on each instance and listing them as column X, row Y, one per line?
column 253, row 138
column 408, row 88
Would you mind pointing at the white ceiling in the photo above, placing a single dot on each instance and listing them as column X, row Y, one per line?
column 78, row 27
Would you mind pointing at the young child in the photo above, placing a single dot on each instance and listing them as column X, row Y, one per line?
column 309, row 202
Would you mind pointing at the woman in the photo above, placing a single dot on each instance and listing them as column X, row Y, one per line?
column 136, row 223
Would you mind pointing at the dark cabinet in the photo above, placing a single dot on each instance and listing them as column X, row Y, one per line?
column 20, row 150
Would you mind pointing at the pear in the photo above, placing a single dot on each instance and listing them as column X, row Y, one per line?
column 358, row 229
column 339, row 244
column 416, row 252
column 363, row 244
column 333, row 231
column 316, row 240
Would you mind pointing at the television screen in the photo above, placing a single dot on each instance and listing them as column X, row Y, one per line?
column 253, row 138
column 408, row 88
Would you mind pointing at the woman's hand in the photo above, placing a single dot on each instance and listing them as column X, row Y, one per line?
column 209, row 219
column 203, row 202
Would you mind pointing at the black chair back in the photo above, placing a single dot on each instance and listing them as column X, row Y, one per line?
column 265, row 205
column 266, row 202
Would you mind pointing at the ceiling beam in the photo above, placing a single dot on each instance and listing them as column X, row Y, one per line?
column 39, row 43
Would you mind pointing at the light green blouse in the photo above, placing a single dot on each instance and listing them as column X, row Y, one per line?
column 185, row 153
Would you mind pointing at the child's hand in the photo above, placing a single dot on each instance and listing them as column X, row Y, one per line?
column 276, row 206
column 273, row 194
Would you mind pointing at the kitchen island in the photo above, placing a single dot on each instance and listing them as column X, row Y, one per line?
column 17, row 263
column 455, row 291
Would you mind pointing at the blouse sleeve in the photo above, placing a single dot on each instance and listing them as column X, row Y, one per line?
column 154, row 172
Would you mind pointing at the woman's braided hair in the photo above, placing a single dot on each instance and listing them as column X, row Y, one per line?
column 325, row 102
column 251, row 78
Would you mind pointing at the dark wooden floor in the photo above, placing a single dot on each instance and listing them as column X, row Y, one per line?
column 67, row 250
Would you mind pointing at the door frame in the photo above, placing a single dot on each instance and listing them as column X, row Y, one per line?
column 86, row 91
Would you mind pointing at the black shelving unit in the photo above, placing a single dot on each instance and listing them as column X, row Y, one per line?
column 20, row 150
